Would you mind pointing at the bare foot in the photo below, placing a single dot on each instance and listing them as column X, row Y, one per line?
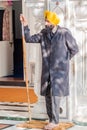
column 50, row 126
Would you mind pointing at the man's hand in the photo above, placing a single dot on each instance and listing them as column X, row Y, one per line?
column 23, row 20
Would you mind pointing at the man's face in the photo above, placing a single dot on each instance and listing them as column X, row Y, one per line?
column 48, row 24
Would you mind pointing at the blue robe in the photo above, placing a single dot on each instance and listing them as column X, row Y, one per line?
column 57, row 50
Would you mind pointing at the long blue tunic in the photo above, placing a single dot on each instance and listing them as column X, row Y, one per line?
column 56, row 54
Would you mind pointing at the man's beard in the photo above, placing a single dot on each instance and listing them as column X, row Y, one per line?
column 49, row 28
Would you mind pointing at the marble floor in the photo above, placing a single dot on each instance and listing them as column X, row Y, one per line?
column 9, row 115
column 14, row 123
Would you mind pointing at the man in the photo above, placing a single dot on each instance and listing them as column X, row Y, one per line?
column 58, row 46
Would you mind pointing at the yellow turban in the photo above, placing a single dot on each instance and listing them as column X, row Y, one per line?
column 51, row 17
